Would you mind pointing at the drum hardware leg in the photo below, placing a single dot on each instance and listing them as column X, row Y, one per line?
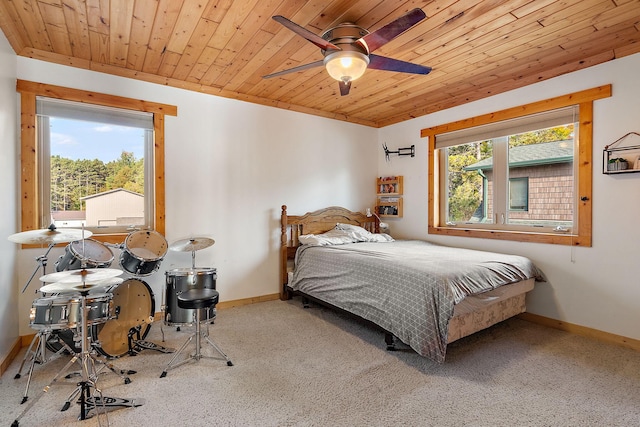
column 197, row 299
column 37, row 356
column 205, row 335
column 29, row 352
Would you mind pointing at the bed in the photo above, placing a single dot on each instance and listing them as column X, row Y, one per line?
column 423, row 294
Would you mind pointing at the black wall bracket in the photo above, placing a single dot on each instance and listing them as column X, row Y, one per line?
column 408, row 151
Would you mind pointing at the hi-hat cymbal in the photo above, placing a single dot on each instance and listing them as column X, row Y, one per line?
column 191, row 245
column 90, row 275
column 48, row 236
column 63, row 288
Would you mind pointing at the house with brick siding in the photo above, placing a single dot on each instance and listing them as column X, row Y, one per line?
column 541, row 183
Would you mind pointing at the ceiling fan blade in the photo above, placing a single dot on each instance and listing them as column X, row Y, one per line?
column 295, row 69
column 313, row 38
column 389, row 64
column 381, row 36
column 344, row 87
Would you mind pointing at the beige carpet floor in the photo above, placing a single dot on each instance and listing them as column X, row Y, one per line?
column 314, row 367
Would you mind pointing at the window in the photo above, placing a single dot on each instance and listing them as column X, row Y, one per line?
column 106, row 185
column 519, row 194
column 518, row 174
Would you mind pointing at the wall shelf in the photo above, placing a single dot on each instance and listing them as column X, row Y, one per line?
column 630, row 156
column 389, row 190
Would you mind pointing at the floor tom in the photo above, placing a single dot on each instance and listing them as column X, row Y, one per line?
column 180, row 280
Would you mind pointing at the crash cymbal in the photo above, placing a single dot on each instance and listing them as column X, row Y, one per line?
column 191, row 245
column 49, row 236
column 64, row 288
column 90, row 276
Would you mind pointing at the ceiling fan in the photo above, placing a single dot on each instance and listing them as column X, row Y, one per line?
column 347, row 49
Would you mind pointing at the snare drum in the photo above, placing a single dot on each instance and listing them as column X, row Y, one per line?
column 87, row 253
column 62, row 312
column 143, row 251
column 134, row 305
column 180, row 280
column 99, row 310
column 49, row 313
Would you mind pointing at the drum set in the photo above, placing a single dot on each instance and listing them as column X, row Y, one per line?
column 87, row 310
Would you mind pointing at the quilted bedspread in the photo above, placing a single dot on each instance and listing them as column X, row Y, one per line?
column 407, row 287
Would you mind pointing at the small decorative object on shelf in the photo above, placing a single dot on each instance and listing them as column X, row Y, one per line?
column 622, row 159
column 617, row 164
column 389, row 190
column 389, row 185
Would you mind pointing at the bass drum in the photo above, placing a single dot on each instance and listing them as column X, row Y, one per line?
column 134, row 306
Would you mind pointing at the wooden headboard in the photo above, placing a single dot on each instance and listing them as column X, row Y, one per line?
column 316, row 222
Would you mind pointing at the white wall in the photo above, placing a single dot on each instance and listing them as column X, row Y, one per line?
column 9, row 161
column 596, row 287
column 230, row 165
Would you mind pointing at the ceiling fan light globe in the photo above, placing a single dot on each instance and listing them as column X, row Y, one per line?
column 346, row 66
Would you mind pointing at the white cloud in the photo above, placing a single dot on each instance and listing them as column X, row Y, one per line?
column 63, row 139
column 111, row 128
column 103, row 128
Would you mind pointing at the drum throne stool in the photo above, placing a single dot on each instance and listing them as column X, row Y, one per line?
column 195, row 299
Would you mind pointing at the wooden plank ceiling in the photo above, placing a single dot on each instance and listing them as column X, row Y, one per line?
column 224, row 47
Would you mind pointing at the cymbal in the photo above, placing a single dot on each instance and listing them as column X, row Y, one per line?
column 191, row 245
column 62, row 288
column 48, row 236
column 90, row 275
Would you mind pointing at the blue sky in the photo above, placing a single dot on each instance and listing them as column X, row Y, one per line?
column 74, row 139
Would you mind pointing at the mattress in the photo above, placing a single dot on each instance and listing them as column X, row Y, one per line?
column 409, row 288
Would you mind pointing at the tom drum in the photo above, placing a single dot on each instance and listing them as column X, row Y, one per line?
column 87, row 253
column 143, row 252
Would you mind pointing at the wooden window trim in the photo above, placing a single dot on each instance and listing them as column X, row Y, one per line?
column 29, row 147
column 584, row 172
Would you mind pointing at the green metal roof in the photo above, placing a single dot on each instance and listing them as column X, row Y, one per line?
column 546, row 153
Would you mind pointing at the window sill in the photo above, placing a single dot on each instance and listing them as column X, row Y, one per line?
column 517, row 236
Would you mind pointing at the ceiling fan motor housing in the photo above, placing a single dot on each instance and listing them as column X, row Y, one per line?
column 345, row 36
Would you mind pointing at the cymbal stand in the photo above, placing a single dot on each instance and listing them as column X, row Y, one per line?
column 88, row 373
column 38, row 356
column 42, row 262
column 88, row 370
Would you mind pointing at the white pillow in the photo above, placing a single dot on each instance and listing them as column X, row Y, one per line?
column 331, row 237
column 362, row 235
